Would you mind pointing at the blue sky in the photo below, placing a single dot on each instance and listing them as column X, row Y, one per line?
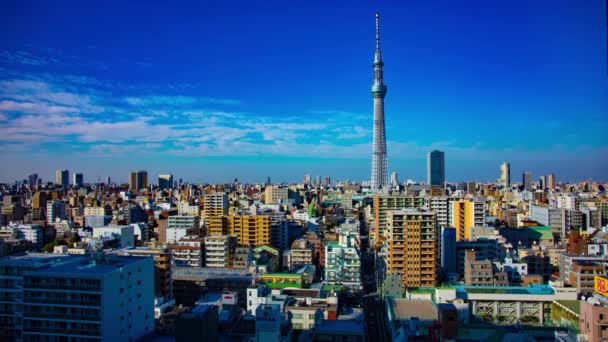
column 216, row 90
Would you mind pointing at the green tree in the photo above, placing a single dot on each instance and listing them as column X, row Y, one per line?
column 48, row 248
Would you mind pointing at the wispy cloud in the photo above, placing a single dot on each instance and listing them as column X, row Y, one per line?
column 24, row 58
column 162, row 100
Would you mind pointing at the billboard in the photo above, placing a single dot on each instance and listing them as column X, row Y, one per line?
column 600, row 285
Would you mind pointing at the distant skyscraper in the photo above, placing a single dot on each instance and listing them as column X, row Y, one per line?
column 138, row 180
column 527, row 180
column 108, row 181
column 551, row 181
column 165, row 181
column 317, row 180
column 471, row 188
column 505, row 174
column 379, row 156
column 435, row 169
column 33, row 179
column 62, row 177
column 543, row 182
column 268, row 180
column 78, row 180
column 394, row 179
column 326, row 181
column 307, row 178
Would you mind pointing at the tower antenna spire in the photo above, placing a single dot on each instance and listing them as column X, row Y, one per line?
column 378, row 31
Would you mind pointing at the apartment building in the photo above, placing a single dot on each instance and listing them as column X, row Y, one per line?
column 276, row 195
column 466, row 214
column 163, row 283
column 189, row 251
column 215, row 204
column 413, row 246
column 250, row 230
column 76, row 298
column 385, row 203
column 219, row 250
column 301, row 253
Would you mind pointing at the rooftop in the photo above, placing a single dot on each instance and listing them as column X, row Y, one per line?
column 403, row 309
column 528, row 290
column 85, row 266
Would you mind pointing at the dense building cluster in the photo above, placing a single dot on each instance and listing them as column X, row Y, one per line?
column 321, row 259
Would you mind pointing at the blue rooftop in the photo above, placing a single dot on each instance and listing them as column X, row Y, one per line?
column 528, row 290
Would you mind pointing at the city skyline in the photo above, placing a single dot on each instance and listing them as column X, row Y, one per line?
column 195, row 110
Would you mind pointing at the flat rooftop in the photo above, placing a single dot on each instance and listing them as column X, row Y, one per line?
column 403, row 309
column 341, row 327
column 84, row 266
column 515, row 290
column 33, row 260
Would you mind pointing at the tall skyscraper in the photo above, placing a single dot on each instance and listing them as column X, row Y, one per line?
column 78, row 180
column 505, row 175
column 62, row 177
column 307, row 178
column 138, row 180
column 527, row 180
column 542, row 182
column 551, row 181
column 435, row 169
column 33, row 179
column 165, row 181
column 379, row 159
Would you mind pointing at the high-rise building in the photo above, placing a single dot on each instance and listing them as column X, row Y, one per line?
column 413, row 247
column 275, row 195
column 163, row 284
column 88, row 298
column 526, row 180
column 138, row 180
column 165, row 181
column 307, row 178
column 250, row 230
column 219, row 251
column 32, row 179
column 448, row 250
column 379, row 155
column 471, row 188
column 505, row 175
column 551, row 181
column 215, row 205
column 440, row 205
column 78, row 180
column 385, row 203
column 466, row 214
column 342, row 257
column 62, row 177
column 394, row 179
column 435, row 169
column 317, row 180
column 326, row 181
column 543, row 182
column 54, row 210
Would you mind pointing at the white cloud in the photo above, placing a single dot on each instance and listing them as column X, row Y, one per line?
column 162, row 100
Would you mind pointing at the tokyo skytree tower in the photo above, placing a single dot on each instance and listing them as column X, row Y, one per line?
column 379, row 179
